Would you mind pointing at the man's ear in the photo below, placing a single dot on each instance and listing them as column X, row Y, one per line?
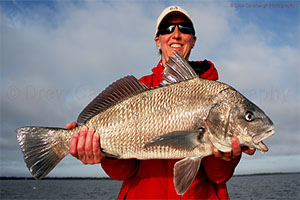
column 194, row 41
column 156, row 39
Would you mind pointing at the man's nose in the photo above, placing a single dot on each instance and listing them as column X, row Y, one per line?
column 176, row 33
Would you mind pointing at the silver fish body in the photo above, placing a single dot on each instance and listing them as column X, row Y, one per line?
column 178, row 120
column 126, row 128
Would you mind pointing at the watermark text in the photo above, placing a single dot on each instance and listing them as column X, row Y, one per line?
column 261, row 5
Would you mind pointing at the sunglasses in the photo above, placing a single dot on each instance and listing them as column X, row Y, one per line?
column 170, row 27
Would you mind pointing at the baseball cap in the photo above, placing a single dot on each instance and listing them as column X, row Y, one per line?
column 169, row 11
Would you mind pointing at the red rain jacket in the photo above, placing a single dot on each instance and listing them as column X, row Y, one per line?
column 153, row 179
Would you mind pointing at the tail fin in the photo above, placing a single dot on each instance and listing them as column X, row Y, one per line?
column 43, row 148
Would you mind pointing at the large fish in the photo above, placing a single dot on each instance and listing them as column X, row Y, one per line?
column 183, row 118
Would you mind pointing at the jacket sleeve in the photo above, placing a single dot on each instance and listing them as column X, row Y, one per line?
column 120, row 169
column 218, row 170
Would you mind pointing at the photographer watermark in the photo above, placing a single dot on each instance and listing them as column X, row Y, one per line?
column 271, row 94
column 86, row 93
column 35, row 93
column 262, row 5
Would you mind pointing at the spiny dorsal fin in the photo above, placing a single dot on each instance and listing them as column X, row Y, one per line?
column 117, row 91
column 177, row 70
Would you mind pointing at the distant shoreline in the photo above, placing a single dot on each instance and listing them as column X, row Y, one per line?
column 107, row 178
column 266, row 174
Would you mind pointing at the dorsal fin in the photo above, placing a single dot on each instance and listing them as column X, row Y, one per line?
column 177, row 70
column 117, row 91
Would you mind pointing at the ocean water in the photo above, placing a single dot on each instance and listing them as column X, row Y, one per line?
column 59, row 189
column 281, row 186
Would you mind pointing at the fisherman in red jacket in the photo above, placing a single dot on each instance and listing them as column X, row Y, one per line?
column 153, row 179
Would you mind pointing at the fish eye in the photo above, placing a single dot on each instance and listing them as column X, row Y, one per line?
column 249, row 116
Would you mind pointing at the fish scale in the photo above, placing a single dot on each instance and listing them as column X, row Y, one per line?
column 152, row 118
column 183, row 119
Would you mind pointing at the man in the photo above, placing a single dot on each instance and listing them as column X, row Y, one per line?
column 153, row 179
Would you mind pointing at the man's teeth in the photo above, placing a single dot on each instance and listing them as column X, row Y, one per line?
column 175, row 45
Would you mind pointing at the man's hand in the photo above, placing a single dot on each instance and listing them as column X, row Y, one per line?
column 85, row 146
column 236, row 151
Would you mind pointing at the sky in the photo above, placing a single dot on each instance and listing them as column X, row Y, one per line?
column 56, row 56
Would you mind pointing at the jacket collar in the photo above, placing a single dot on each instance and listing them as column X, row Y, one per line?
column 158, row 70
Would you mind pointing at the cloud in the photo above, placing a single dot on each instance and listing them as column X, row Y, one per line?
column 262, row 63
column 56, row 57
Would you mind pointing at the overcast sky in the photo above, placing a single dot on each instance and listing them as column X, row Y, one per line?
column 56, row 56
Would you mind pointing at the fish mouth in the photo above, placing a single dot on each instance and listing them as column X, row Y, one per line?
column 258, row 139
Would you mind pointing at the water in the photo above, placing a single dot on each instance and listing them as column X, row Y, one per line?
column 282, row 186
column 59, row 189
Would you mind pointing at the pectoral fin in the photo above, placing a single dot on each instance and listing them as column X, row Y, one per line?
column 187, row 140
column 185, row 172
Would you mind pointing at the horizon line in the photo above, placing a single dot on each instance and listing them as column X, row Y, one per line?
column 108, row 178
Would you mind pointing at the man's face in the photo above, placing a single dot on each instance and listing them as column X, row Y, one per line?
column 181, row 42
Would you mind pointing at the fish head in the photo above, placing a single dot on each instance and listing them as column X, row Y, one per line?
column 250, row 124
column 233, row 115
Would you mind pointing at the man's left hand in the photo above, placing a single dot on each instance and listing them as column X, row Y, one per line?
column 236, row 151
